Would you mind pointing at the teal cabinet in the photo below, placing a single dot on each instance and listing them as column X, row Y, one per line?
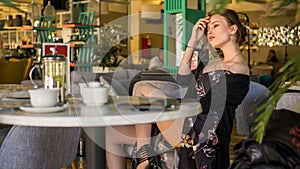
column 178, row 23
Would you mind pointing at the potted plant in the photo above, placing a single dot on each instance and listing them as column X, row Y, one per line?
column 110, row 48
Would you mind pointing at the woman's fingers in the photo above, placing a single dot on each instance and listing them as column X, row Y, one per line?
column 202, row 23
column 198, row 30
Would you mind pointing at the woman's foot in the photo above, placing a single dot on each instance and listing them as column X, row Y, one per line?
column 146, row 158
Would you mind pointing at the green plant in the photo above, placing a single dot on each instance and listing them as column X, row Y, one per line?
column 290, row 75
column 110, row 47
column 110, row 58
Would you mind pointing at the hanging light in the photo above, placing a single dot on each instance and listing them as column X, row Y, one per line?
column 151, row 11
column 35, row 12
column 50, row 10
column 93, row 6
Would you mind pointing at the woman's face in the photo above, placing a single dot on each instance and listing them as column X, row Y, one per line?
column 218, row 31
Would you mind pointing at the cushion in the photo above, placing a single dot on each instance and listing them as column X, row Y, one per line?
column 28, row 67
column 13, row 72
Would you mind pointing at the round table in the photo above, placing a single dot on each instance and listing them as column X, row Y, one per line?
column 80, row 115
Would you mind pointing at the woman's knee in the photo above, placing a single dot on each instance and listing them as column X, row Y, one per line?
column 149, row 90
column 120, row 135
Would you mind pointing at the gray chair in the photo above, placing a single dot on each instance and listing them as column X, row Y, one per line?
column 289, row 101
column 39, row 147
column 245, row 112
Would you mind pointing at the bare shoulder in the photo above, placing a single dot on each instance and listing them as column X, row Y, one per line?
column 240, row 68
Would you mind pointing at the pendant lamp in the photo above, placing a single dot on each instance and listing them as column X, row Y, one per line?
column 50, row 10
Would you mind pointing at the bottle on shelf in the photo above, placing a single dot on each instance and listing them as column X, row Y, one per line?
column 9, row 21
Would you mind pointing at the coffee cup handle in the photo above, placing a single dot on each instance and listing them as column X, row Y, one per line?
column 30, row 75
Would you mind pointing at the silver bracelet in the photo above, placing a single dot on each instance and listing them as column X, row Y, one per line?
column 190, row 47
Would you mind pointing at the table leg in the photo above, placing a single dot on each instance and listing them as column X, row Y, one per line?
column 95, row 154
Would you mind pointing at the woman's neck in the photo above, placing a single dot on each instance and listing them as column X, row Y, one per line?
column 231, row 52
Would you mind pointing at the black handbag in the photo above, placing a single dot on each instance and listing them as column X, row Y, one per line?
column 279, row 149
column 267, row 155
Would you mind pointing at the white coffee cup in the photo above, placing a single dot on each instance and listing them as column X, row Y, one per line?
column 90, row 84
column 44, row 97
column 94, row 96
column 94, row 84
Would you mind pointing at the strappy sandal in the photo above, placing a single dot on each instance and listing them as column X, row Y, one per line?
column 146, row 152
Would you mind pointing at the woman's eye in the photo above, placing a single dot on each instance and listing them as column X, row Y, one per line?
column 214, row 26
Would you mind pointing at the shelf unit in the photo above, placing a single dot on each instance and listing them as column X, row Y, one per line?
column 12, row 39
column 12, row 36
column 174, row 7
column 84, row 51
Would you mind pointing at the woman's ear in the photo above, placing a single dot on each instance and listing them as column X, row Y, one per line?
column 233, row 29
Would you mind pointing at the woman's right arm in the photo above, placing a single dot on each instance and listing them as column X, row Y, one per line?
column 197, row 33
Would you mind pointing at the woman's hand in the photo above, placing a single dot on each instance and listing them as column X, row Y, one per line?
column 198, row 31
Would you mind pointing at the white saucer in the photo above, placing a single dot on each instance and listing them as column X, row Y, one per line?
column 43, row 109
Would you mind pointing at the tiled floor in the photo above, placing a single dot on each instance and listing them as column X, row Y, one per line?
column 235, row 138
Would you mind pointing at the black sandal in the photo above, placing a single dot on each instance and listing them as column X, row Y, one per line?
column 146, row 152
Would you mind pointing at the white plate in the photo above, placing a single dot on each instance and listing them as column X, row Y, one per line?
column 18, row 95
column 43, row 109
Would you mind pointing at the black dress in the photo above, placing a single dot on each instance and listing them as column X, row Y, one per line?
column 219, row 92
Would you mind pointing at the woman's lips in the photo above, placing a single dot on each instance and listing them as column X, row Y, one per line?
column 210, row 38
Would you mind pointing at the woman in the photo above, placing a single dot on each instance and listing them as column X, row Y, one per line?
column 224, row 31
column 157, row 62
column 272, row 57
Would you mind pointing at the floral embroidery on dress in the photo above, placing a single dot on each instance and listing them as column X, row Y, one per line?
column 208, row 148
column 200, row 88
column 215, row 77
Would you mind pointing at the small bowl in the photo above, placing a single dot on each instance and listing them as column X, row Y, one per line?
column 94, row 84
column 94, row 96
column 44, row 97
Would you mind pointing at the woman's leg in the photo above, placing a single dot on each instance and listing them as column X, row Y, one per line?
column 143, row 131
column 115, row 137
column 171, row 130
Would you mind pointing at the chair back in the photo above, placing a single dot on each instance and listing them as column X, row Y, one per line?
column 39, row 147
column 245, row 112
column 45, row 29
column 14, row 70
column 289, row 101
